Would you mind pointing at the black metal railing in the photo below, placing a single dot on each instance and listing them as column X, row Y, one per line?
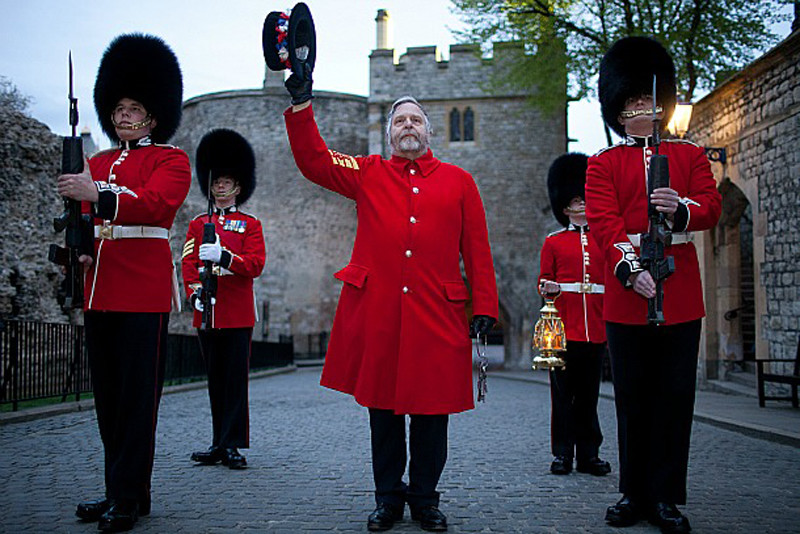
column 49, row 361
column 312, row 346
column 42, row 360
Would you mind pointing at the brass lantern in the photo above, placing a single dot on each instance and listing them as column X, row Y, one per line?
column 549, row 337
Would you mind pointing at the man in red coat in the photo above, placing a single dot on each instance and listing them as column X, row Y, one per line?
column 237, row 257
column 133, row 191
column 571, row 264
column 653, row 365
column 399, row 342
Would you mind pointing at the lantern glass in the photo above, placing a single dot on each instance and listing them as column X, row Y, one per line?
column 681, row 117
column 549, row 337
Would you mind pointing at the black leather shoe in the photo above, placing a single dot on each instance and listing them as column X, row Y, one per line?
column 624, row 514
column 594, row 466
column 383, row 517
column 120, row 517
column 209, row 457
column 562, row 465
column 92, row 510
column 233, row 459
column 430, row 518
column 669, row 519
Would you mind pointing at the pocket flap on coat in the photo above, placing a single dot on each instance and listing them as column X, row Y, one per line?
column 354, row 275
column 455, row 291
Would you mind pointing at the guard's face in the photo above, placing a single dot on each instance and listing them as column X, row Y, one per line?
column 576, row 206
column 641, row 123
column 224, row 187
column 408, row 132
column 131, row 120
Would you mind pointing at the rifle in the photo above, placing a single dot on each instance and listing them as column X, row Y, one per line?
column 78, row 239
column 208, row 278
column 658, row 235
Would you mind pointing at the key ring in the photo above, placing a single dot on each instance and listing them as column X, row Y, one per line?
column 483, row 364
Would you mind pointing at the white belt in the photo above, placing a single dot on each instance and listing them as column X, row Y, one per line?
column 576, row 287
column 112, row 231
column 678, row 238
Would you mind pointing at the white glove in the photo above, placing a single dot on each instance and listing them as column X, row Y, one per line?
column 211, row 251
column 198, row 302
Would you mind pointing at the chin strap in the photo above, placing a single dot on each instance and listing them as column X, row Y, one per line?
column 135, row 126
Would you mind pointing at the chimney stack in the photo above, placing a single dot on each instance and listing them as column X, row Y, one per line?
column 384, row 30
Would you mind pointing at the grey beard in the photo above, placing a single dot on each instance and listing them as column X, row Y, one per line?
column 410, row 143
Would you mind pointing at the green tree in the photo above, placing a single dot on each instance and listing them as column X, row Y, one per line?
column 11, row 97
column 705, row 37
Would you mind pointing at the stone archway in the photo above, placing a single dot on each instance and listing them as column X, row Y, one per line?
column 734, row 291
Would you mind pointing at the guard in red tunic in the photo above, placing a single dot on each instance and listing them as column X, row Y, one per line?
column 133, row 190
column 238, row 255
column 571, row 264
column 400, row 340
column 653, row 365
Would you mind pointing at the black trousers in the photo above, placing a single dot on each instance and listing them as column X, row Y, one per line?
column 127, row 355
column 428, row 451
column 226, row 352
column 654, row 370
column 574, row 426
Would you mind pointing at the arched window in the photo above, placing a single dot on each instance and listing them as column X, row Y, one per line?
column 469, row 125
column 455, row 125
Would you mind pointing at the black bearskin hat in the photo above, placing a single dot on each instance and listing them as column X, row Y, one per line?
column 566, row 180
column 626, row 71
column 224, row 152
column 143, row 68
column 284, row 36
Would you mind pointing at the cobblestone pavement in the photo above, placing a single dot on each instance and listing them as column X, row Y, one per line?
column 310, row 470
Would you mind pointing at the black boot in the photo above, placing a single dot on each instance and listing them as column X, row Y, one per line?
column 213, row 455
column 121, row 517
column 233, row 459
column 430, row 518
column 92, row 510
column 384, row 516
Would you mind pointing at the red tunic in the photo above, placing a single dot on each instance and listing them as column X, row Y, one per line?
column 243, row 258
column 400, row 336
column 572, row 256
column 616, row 205
column 139, row 186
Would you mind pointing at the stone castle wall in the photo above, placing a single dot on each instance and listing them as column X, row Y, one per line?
column 309, row 231
column 30, row 158
column 756, row 116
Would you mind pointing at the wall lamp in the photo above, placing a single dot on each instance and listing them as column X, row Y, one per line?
column 679, row 125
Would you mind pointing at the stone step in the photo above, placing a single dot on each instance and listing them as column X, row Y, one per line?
column 742, row 378
column 731, row 388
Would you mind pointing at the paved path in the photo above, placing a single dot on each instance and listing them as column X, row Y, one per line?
column 310, row 470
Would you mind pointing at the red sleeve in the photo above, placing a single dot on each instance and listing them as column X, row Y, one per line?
column 330, row 169
column 249, row 262
column 190, row 263
column 703, row 201
column 165, row 191
column 477, row 254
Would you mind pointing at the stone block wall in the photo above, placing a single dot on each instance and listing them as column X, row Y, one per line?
column 30, row 159
column 755, row 115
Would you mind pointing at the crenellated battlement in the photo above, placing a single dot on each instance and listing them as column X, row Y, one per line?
column 464, row 75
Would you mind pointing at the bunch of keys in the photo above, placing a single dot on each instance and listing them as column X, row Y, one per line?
column 483, row 364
